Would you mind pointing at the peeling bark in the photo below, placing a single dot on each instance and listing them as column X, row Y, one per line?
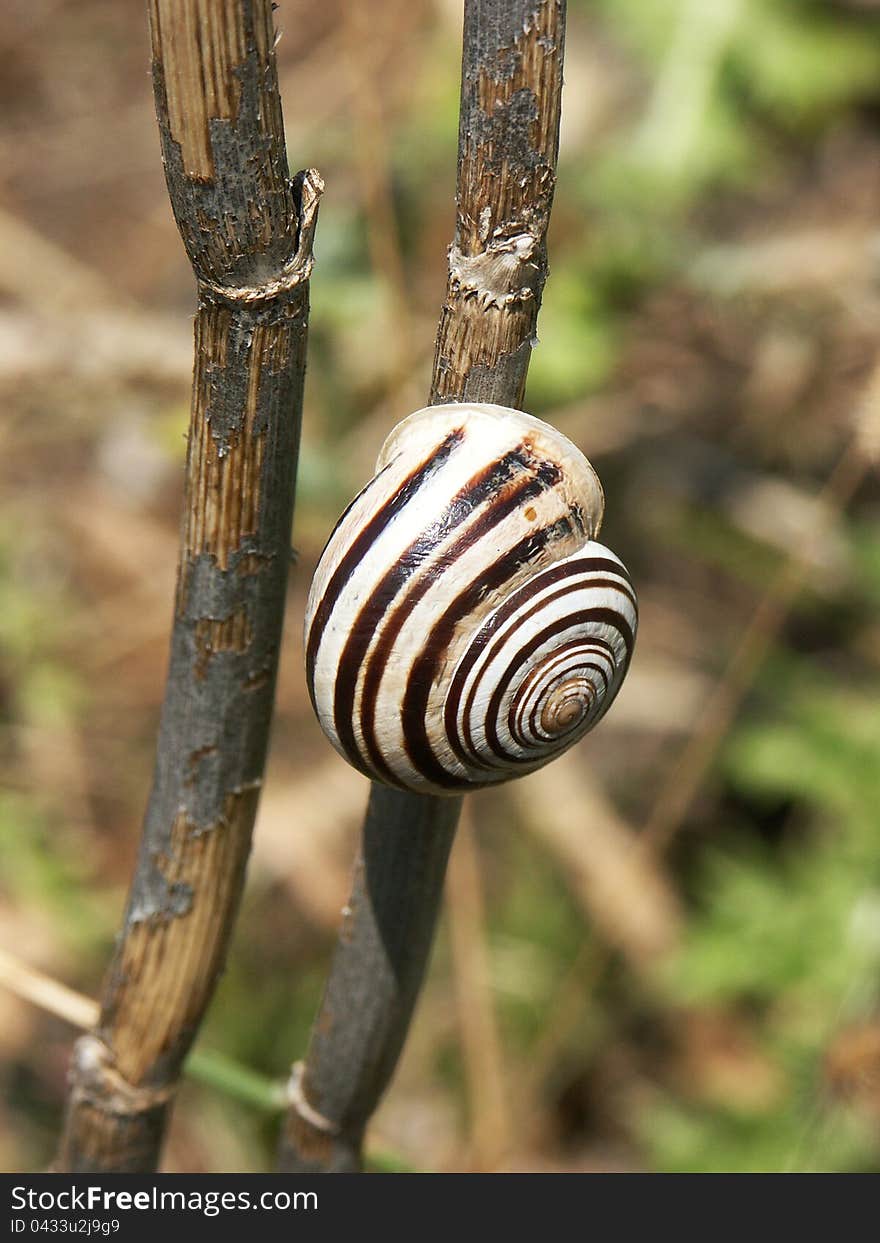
column 247, row 229
column 508, row 145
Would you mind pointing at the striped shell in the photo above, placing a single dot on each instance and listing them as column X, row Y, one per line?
column 463, row 627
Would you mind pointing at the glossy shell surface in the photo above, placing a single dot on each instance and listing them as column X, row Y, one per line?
column 464, row 626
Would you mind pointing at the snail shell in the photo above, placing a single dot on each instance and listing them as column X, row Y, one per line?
column 463, row 626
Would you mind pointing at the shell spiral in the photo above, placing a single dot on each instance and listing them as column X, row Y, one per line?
column 463, row 626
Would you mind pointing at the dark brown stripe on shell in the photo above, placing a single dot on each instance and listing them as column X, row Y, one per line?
column 424, row 670
column 534, row 715
column 542, row 476
column 546, row 578
column 560, row 659
column 468, row 753
column 363, row 542
column 606, row 616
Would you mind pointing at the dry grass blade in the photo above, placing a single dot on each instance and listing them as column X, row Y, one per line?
column 687, row 774
column 47, row 994
column 483, row 1062
column 364, row 44
column 625, row 896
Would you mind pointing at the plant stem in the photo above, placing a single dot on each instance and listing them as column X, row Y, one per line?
column 247, row 230
column 240, row 1083
column 374, row 981
column 507, row 152
column 508, row 143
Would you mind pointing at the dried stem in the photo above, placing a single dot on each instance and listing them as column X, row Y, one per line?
column 484, row 1070
column 380, row 960
column 508, row 145
column 247, row 230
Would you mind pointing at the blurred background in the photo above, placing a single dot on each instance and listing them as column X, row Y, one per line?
column 662, row 953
